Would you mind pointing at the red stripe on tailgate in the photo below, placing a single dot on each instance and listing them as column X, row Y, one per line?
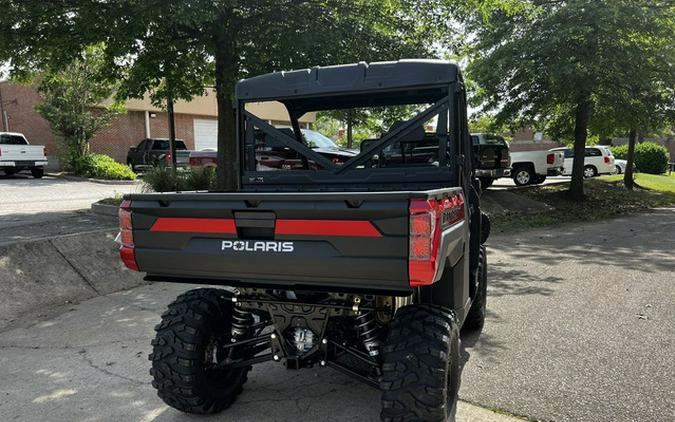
column 194, row 225
column 327, row 228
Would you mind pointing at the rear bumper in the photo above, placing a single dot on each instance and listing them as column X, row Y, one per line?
column 493, row 173
column 556, row 171
column 22, row 164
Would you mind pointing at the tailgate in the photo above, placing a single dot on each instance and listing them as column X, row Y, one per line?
column 296, row 239
column 22, row 153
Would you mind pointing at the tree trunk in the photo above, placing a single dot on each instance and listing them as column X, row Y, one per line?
column 172, row 129
column 581, row 118
column 630, row 158
column 228, row 148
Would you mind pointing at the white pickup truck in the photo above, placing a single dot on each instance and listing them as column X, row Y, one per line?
column 17, row 154
column 532, row 167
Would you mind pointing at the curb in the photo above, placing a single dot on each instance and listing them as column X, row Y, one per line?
column 104, row 209
column 89, row 179
column 38, row 274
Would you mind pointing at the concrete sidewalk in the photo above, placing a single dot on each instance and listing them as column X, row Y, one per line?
column 90, row 364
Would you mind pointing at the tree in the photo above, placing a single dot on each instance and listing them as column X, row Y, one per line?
column 192, row 43
column 72, row 104
column 561, row 60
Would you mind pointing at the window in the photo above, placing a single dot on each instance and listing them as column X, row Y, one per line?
column 569, row 153
column 163, row 145
column 12, row 140
column 593, row 152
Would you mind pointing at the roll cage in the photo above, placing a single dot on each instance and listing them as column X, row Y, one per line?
column 435, row 83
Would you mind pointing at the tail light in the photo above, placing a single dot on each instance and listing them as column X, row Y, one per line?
column 550, row 159
column 127, row 252
column 606, row 159
column 167, row 157
column 44, row 151
column 428, row 218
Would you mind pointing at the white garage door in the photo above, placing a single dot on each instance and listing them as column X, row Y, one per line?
column 206, row 134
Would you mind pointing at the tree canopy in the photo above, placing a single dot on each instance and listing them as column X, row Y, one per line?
column 561, row 62
column 178, row 48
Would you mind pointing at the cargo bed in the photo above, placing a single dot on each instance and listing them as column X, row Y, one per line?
column 313, row 240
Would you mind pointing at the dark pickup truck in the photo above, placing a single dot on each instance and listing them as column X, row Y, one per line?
column 491, row 155
column 153, row 152
column 369, row 266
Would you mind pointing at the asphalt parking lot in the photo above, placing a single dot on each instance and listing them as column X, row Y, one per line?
column 37, row 208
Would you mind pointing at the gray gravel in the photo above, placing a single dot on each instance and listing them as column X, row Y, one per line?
column 581, row 323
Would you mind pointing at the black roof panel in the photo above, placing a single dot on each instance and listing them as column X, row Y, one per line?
column 347, row 78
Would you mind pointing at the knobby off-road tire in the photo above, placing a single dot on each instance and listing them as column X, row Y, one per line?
column 475, row 319
column 184, row 373
column 420, row 366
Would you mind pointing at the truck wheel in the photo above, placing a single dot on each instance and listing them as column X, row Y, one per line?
column 420, row 369
column 476, row 316
column 486, row 182
column 185, row 354
column 37, row 172
column 523, row 176
column 10, row 172
column 539, row 179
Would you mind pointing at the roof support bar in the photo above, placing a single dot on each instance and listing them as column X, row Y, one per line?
column 288, row 141
column 394, row 135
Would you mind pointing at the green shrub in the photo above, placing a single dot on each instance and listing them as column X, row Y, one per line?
column 619, row 151
column 101, row 166
column 167, row 179
column 651, row 158
column 104, row 167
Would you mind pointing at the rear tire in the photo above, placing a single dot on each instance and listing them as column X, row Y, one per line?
column 187, row 341
column 618, row 170
column 539, row 179
column 475, row 319
column 420, row 369
column 37, row 172
column 523, row 176
column 10, row 172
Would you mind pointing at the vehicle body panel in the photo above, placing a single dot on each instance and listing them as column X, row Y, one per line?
column 539, row 162
column 331, row 243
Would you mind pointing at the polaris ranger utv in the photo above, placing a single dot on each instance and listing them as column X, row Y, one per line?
column 369, row 266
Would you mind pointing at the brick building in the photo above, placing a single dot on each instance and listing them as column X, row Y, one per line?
column 196, row 122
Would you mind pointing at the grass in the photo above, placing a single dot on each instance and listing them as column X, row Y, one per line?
column 661, row 183
column 115, row 200
column 605, row 198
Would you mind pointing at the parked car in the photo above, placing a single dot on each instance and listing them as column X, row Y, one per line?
column 532, row 167
column 155, row 151
column 369, row 269
column 273, row 155
column 17, row 154
column 491, row 156
column 598, row 160
column 621, row 166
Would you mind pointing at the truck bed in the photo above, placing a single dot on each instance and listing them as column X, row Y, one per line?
column 313, row 240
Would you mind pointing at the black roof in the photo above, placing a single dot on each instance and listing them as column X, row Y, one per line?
column 348, row 78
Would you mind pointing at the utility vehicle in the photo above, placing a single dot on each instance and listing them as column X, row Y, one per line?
column 369, row 266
